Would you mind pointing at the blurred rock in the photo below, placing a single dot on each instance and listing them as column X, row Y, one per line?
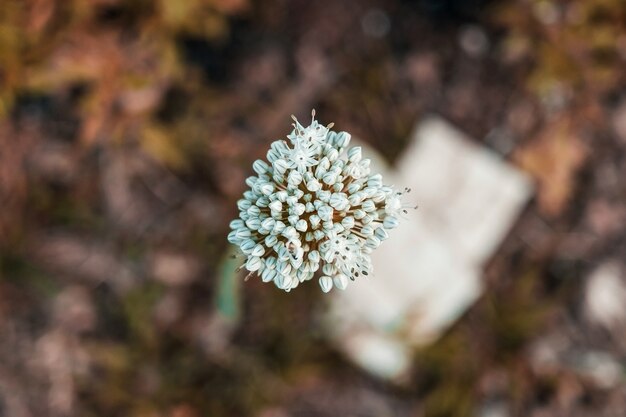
column 81, row 258
column 141, row 100
column 205, row 211
column 379, row 355
column 547, row 12
column 149, row 380
column 169, row 309
column 174, row 268
column 605, row 218
column 547, row 353
column 461, row 98
column 375, row 23
column 605, row 293
column 494, row 383
column 13, row 402
column 53, row 162
column 423, row 70
column 577, row 245
column 213, row 332
column 473, row 41
column 74, row 310
column 501, row 140
column 139, row 192
column 494, row 409
column 429, row 273
column 604, row 369
column 569, row 392
column 522, row 117
column 161, row 182
column 126, row 207
column 62, row 358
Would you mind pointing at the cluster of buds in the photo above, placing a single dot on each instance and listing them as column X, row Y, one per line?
column 313, row 211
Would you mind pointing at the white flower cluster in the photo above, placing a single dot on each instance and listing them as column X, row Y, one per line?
column 310, row 209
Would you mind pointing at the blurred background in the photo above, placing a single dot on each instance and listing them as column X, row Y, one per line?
column 127, row 129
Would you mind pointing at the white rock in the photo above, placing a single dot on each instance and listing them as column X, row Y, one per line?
column 605, row 295
column 428, row 271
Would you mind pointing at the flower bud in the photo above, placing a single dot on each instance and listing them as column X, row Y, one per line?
column 348, row 222
column 390, row 222
column 354, row 154
column 301, row 225
column 270, row 241
column 243, row 204
column 342, row 140
column 340, row 281
column 276, row 206
column 254, row 263
column 326, row 283
column 236, row 224
column 260, row 167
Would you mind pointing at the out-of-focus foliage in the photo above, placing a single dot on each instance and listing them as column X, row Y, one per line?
column 576, row 47
column 122, row 56
column 576, row 54
column 553, row 158
column 106, row 68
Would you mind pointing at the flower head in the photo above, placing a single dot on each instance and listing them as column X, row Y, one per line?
column 311, row 209
column 302, row 157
